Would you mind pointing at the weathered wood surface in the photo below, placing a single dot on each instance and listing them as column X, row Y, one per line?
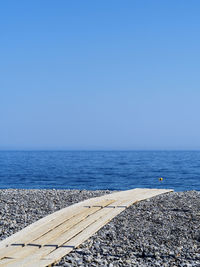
column 46, row 241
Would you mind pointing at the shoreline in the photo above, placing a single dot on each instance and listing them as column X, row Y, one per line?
column 161, row 231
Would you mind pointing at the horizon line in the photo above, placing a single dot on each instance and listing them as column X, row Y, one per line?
column 103, row 150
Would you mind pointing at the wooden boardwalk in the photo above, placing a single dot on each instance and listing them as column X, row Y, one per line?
column 46, row 241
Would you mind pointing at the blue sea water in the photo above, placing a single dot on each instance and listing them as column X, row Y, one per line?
column 113, row 170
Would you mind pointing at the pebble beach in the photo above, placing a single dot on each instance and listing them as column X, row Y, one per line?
column 161, row 231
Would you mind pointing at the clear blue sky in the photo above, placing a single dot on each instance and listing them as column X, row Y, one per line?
column 103, row 74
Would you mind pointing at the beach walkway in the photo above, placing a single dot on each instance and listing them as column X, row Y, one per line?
column 46, row 241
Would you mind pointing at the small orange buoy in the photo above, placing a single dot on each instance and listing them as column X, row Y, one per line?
column 160, row 179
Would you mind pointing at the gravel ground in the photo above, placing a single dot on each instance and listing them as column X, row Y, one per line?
column 162, row 231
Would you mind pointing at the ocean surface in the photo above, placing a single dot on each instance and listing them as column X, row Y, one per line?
column 92, row 170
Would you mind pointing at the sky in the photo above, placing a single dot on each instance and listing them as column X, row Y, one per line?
column 100, row 75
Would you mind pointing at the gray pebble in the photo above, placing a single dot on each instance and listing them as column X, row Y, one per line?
column 162, row 231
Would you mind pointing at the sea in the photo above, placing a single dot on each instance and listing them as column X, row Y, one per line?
column 100, row 170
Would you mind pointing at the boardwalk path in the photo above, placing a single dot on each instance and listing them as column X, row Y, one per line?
column 46, row 241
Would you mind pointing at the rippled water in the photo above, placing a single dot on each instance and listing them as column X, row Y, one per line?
column 100, row 169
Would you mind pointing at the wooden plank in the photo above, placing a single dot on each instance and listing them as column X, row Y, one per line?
column 18, row 252
column 88, row 231
column 68, row 211
column 64, row 226
column 33, row 251
column 65, row 236
column 71, row 209
column 126, row 195
column 57, row 254
column 38, row 234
